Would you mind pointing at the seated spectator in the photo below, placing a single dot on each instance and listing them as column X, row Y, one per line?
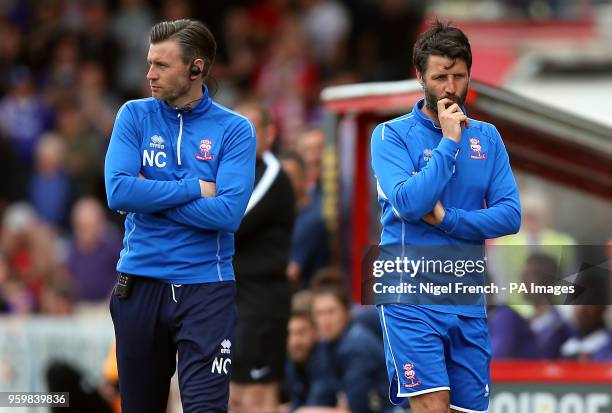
column 93, row 252
column 355, row 353
column 328, row 277
column 551, row 330
column 309, row 379
column 366, row 315
column 594, row 341
column 511, row 336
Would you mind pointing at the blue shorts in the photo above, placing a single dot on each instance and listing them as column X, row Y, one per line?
column 159, row 321
column 428, row 350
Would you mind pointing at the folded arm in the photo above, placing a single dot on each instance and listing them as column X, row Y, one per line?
column 124, row 191
column 411, row 195
column 502, row 216
column 234, row 184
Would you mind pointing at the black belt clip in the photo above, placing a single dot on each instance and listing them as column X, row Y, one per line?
column 123, row 288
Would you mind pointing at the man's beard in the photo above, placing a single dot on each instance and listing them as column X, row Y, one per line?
column 431, row 100
column 179, row 90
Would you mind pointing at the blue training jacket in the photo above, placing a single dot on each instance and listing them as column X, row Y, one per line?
column 415, row 166
column 171, row 233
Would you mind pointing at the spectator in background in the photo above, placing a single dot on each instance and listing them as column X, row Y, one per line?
column 366, row 315
column 12, row 53
column 511, row 335
column 535, row 235
column 239, row 58
column 309, row 376
column 354, row 352
column 311, row 146
column 288, row 82
column 535, row 226
column 328, row 277
column 18, row 227
column 93, row 252
column 551, row 330
column 50, row 189
column 595, row 340
column 24, row 115
column 57, row 298
column 45, row 24
column 300, row 301
column 309, row 242
column 263, row 290
column 97, row 104
column 379, row 28
column 30, row 248
column 95, row 39
column 18, row 299
column 14, row 296
column 129, row 25
column 83, row 148
column 546, row 9
column 176, row 9
column 327, row 25
column 62, row 73
column 266, row 18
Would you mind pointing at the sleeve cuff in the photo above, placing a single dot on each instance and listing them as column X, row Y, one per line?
column 193, row 188
column 450, row 219
column 448, row 146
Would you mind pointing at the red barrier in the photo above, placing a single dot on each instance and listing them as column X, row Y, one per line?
column 551, row 372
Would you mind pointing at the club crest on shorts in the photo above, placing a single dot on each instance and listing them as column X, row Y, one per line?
column 476, row 147
column 205, row 148
column 410, row 374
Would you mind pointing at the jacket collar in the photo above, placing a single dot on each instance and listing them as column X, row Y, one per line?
column 425, row 120
column 197, row 108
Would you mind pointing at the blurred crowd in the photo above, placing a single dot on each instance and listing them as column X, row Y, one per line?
column 65, row 68
column 67, row 65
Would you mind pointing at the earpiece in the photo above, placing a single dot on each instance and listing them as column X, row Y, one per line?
column 194, row 70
